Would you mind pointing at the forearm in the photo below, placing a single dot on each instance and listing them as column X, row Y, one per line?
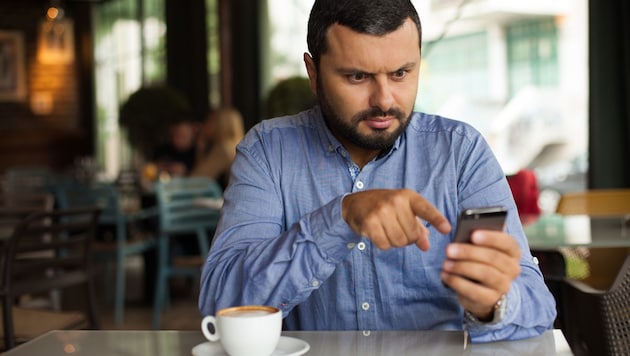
column 257, row 263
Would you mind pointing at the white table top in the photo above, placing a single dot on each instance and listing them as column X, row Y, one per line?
column 322, row 343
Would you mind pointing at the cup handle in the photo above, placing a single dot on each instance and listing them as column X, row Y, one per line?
column 210, row 320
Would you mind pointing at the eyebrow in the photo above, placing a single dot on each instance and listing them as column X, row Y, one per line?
column 406, row 66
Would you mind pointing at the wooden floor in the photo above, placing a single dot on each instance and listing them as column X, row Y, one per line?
column 182, row 314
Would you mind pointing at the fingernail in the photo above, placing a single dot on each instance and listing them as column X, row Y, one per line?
column 451, row 250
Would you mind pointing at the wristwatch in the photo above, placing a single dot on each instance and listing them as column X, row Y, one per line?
column 499, row 312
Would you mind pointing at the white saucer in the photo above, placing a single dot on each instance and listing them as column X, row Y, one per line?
column 287, row 346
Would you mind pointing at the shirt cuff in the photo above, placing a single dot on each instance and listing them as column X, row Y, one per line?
column 331, row 233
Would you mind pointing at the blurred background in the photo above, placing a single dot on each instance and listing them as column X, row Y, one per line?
column 519, row 71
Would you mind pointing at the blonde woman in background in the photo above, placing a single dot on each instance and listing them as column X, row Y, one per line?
column 216, row 146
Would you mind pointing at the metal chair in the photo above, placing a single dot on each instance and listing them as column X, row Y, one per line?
column 116, row 250
column 47, row 251
column 25, row 202
column 597, row 322
column 181, row 213
column 14, row 207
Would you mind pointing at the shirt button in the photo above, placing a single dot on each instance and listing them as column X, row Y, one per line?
column 315, row 283
column 350, row 245
column 359, row 185
column 535, row 260
column 365, row 306
column 361, row 246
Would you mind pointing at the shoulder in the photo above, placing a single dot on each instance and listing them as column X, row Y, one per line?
column 285, row 129
column 429, row 123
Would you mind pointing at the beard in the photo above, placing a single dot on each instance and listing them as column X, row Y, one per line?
column 377, row 139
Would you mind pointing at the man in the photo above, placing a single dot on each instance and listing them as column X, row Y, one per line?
column 341, row 215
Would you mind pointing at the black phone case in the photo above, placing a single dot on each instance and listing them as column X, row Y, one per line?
column 489, row 218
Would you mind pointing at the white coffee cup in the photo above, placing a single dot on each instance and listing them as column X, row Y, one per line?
column 249, row 330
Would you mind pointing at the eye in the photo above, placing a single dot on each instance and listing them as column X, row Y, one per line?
column 400, row 74
column 357, row 77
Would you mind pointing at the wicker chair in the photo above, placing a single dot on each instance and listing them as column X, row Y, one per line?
column 597, row 322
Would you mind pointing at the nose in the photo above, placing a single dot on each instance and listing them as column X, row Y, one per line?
column 381, row 95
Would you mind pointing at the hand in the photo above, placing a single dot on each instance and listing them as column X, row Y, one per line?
column 391, row 218
column 482, row 271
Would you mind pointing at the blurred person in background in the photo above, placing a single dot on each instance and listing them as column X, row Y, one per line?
column 178, row 156
column 216, row 144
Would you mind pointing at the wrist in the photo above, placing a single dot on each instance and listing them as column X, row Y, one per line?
column 495, row 316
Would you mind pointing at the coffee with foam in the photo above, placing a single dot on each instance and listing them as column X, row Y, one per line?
column 249, row 330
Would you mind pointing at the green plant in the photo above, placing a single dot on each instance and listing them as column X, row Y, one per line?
column 146, row 114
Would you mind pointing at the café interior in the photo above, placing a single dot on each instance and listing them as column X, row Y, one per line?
column 65, row 106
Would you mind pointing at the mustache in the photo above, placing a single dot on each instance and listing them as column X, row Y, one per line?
column 376, row 112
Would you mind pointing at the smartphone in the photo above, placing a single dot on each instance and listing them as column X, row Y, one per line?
column 487, row 218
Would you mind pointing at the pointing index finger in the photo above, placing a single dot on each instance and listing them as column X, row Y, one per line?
column 426, row 211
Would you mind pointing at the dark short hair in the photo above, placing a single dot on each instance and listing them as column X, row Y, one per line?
column 374, row 17
column 180, row 117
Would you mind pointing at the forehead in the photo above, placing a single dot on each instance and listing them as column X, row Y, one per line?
column 348, row 48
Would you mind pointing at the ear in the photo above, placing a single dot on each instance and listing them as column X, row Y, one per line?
column 311, row 69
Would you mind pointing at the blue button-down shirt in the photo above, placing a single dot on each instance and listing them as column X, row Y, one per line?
column 281, row 239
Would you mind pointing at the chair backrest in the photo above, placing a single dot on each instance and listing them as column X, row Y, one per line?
column 616, row 312
column 35, row 200
column 20, row 179
column 16, row 206
column 179, row 207
column 596, row 202
column 598, row 322
column 69, row 233
column 101, row 195
column 47, row 251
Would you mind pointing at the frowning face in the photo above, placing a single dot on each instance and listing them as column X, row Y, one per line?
column 367, row 86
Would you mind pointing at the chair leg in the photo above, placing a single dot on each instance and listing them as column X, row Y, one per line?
column 161, row 290
column 7, row 321
column 92, row 312
column 119, row 298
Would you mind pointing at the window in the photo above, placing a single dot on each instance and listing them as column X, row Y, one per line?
column 516, row 70
column 214, row 52
column 532, row 54
column 129, row 53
